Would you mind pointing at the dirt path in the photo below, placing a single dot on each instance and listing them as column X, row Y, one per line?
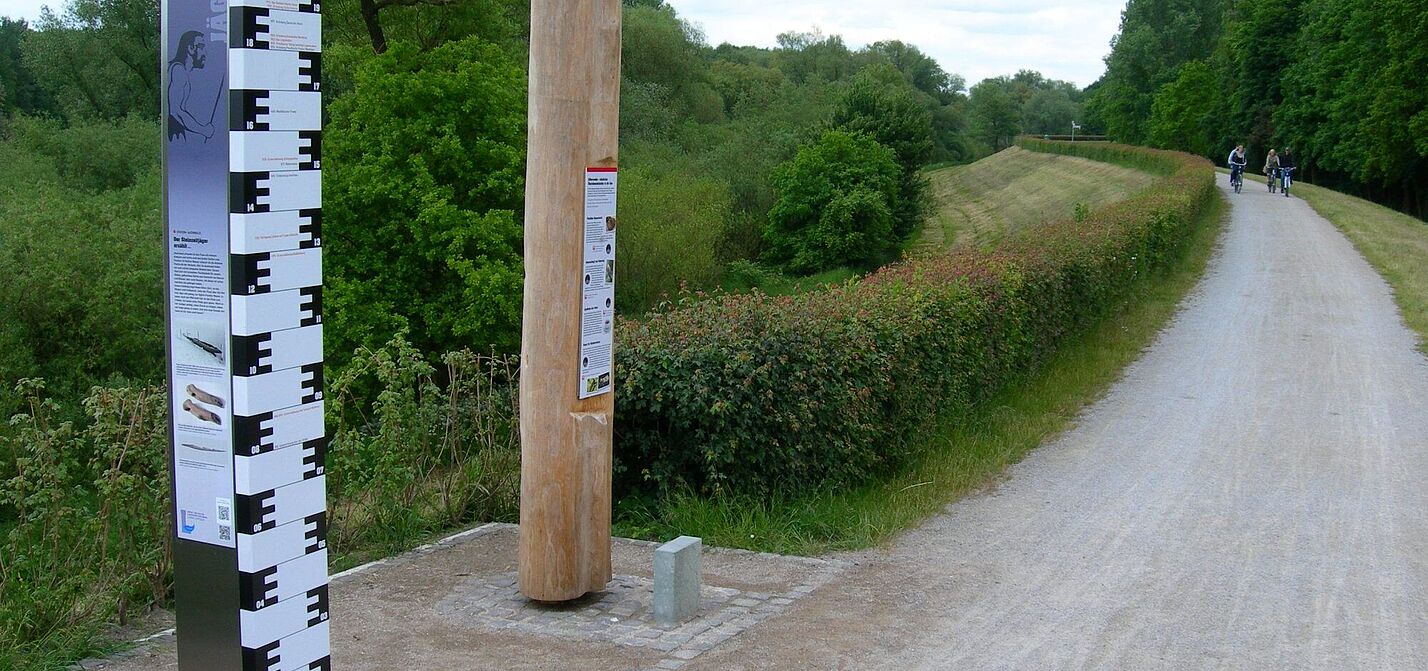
column 1253, row 495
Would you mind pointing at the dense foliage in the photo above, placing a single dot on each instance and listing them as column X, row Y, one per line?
column 758, row 394
column 1339, row 81
column 836, row 205
column 97, row 58
column 425, row 181
column 1002, row 108
column 1155, row 39
column 677, row 213
column 88, row 523
column 81, row 254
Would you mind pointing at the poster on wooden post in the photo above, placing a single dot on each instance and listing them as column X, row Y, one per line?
column 597, row 306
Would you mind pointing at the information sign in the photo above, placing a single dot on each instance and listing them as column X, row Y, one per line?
column 242, row 206
column 597, row 307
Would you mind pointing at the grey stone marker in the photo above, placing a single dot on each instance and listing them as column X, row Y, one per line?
column 676, row 580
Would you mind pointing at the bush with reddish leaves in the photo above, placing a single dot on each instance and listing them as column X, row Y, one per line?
column 754, row 394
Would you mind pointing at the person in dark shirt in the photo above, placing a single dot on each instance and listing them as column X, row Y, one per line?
column 1286, row 167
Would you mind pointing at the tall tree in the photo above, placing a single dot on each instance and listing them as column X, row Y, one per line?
column 1183, row 110
column 99, row 58
column 814, row 56
column 663, row 51
column 880, row 104
column 921, row 71
column 995, row 113
column 1355, row 103
column 1261, row 40
column 1156, row 37
column 425, row 23
column 20, row 91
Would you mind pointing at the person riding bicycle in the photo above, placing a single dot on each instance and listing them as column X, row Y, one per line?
column 1271, row 166
column 1237, row 163
column 1286, row 163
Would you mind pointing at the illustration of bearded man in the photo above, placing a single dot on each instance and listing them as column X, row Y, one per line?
column 184, row 107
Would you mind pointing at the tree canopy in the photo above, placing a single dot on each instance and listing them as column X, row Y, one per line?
column 1340, row 81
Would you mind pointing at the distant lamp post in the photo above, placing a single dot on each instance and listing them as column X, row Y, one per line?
column 1074, row 127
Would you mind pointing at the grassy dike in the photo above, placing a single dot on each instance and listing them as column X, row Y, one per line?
column 1394, row 243
column 961, row 452
column 982, row 203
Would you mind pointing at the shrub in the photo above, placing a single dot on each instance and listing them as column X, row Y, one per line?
column 670, row 229
column 426, row 173
column 422, row 457
column 755, row 394
column 91, row 520
column 836, row 205
column 82, row 296
column 92, row 155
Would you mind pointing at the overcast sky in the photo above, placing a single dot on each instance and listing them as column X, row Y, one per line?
column 25, row 9
column 973, row 38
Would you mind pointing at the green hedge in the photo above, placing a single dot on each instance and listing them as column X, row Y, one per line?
column 752, row 393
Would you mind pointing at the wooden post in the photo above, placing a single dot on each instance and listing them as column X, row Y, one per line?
column 565, row 442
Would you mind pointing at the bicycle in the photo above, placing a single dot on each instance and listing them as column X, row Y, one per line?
column 1273, row 180
column 1237, row 176
column 1285, row 179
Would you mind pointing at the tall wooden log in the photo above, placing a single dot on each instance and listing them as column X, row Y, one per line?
column 565, row 441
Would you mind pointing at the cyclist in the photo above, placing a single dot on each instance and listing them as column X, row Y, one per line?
column 1237, row 164
column 1286, row 168
column 1271, row 166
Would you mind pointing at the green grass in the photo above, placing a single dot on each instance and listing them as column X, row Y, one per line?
column 1394, row 243
column 745, row 276
column 961, row 452
column 980, row 203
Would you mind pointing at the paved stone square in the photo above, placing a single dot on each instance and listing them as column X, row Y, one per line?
column 454, row 604
column 622, row 614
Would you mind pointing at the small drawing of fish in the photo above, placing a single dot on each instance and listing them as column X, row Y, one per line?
column 212, row 349
column 200, row 448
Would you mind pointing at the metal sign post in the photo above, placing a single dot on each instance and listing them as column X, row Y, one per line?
column 567, row 353
column 242, row 209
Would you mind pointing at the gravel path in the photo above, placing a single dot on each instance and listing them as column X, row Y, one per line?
column 1253, row 495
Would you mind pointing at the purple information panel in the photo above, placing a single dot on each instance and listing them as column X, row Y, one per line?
column 243, row 212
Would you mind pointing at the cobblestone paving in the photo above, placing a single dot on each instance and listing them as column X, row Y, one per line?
column 624, row 612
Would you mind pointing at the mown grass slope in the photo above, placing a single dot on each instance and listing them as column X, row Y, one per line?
column 983, row 202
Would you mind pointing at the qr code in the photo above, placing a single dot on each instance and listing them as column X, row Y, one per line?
column 225, row 532
column 225, row 511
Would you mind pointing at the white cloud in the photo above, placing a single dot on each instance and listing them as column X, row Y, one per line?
column 973, row 39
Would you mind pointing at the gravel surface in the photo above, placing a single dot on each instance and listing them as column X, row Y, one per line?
column 1252, row 495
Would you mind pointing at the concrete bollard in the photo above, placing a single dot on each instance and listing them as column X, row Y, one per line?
column 676, row 580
